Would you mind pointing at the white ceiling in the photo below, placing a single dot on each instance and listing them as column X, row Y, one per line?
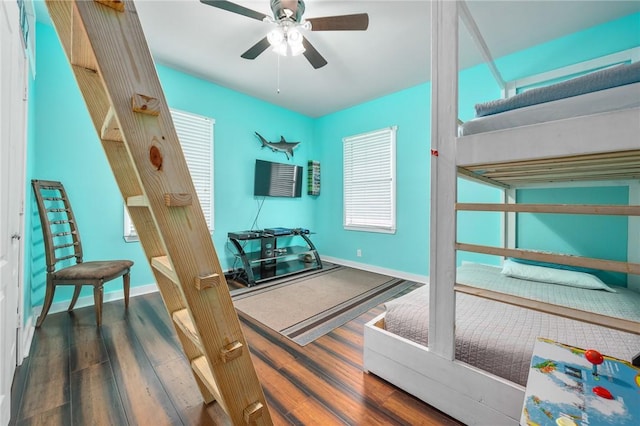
column 393, row 54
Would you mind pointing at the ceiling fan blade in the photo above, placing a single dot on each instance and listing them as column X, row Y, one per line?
column 312, row 55
column 356, row 22
column 256, row 49
column 235, row 8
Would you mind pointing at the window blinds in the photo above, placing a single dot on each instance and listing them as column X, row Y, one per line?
column 195, row 133
column 196, row 138
column 369, row 181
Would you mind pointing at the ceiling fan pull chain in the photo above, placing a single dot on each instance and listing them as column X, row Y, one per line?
column 278, row 76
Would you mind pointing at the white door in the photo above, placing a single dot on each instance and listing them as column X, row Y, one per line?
column 13, row 75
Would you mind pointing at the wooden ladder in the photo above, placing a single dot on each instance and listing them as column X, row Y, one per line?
column 114, row 69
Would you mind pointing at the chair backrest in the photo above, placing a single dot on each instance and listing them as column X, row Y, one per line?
column 59, row 228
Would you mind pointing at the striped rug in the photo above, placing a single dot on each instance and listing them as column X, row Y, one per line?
column 303, row 309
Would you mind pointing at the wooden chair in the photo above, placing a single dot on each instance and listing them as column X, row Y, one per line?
column 62, row 244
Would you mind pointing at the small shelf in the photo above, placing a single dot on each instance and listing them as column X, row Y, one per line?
column 256, row 256
column 271, row 261
column 281, row 269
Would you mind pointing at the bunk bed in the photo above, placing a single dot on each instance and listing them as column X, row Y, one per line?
column 588, row 145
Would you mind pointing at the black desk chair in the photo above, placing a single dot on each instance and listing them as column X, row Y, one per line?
column 62, row 242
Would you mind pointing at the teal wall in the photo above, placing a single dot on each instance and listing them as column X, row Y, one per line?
column 63, row 146
column 404, row 250
column 602, row 237
column 601, row 40
column 236, row 148
column 408, row 249
column 67, row 149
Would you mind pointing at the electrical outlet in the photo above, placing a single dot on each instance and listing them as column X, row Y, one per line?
column 359, row 253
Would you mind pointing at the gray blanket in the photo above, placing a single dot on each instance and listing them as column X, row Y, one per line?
column 499, row 338
column 619, row 75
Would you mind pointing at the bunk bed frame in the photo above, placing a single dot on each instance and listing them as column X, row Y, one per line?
column 608, row 139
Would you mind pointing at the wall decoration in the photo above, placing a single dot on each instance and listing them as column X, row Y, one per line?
column 313, row 178
column 281, row 146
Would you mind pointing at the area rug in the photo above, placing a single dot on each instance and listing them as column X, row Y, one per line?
column 305, row 309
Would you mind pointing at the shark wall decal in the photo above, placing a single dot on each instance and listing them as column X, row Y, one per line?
column 282, row 146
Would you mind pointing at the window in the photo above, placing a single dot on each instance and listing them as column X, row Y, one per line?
column 195, row 133
column 369, row 181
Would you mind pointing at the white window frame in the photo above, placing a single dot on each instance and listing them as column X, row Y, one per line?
column 195, row 133
column 369, row 161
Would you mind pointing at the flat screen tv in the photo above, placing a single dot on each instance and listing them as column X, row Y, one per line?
column 277, row 179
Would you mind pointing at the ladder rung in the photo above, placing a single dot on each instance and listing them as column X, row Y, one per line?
column 182, row 319
column 60, row 222
column 81, row 51
column 253, row 412
column 201, row 367
column 162, row 264
column 113, row 4
column 52, row 198
column 137, row 201
column 209, row 281
column 177, row 200
column 56, row 210
column 184, row 322
column 111, row 128
column 232, row 351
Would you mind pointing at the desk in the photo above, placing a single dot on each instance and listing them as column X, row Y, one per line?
column 274, row 260
column 562, row 389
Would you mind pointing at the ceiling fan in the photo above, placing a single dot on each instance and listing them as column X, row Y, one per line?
column 286, row 38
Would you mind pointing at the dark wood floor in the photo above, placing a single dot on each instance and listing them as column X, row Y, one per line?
column 132, row 372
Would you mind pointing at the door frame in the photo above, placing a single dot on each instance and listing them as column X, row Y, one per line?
column 15, row 77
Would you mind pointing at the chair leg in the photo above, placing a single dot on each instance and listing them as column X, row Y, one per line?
column 97, row 297
column 125, row 280
column 48, row 299
column 74, row 299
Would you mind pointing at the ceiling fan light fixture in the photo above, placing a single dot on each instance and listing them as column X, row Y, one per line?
column 294, row 40
column 296, row 48
column 294, row 36
column 276, row 37
column 281, row 49
column 286, row 41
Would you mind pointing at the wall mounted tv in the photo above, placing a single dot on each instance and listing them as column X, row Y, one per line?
column 277, row 179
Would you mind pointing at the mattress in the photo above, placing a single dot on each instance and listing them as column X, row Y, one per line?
column 499, row 338
column 614, row 99
column 618, row 75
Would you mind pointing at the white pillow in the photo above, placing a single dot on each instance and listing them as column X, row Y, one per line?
column 553, row 276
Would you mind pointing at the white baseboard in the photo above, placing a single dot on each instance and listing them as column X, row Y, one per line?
column 26, row 336
column 372, row 268
column 88, row 300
